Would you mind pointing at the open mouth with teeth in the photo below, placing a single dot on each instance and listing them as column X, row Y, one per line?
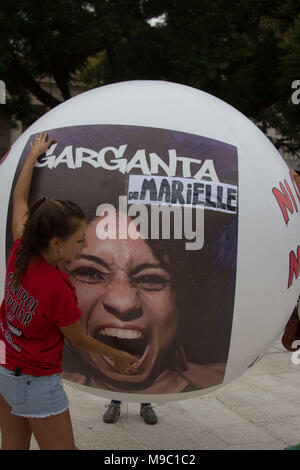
column 130, row 340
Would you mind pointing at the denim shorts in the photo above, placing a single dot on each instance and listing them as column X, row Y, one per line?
column 33, row 397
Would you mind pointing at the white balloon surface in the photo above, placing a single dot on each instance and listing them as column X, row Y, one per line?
column 203, row 293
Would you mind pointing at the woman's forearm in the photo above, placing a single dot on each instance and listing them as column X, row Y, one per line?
column 38, row 147
column 23, row 185
column 90, row 344
column 124, row 362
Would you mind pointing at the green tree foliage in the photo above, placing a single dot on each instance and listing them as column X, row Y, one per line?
column 246, row 52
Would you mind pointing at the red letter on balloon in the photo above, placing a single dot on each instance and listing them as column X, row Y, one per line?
column 294, row 266
column 284, row 200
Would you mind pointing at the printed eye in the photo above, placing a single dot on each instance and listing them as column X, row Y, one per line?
column 151, row 281
column 88, row 274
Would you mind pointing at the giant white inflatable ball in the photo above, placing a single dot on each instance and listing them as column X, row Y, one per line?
column 192, row 261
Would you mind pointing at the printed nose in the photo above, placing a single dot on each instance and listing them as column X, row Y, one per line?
column 121, row 300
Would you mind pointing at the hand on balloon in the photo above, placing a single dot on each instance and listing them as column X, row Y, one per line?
column 40, row 144
column 124, row 361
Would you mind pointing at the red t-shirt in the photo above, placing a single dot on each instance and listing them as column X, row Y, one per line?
column 30, row 316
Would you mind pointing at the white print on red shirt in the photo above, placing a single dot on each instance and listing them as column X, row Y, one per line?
column 9, row 339
column 19, row 304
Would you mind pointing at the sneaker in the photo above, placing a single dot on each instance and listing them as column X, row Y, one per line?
column 112, row 413
column 148, row 414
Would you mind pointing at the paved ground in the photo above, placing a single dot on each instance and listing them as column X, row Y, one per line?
column 260, row 410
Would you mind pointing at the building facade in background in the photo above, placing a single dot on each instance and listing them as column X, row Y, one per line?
column 9, row 132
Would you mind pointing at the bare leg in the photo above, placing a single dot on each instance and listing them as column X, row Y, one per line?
column 15, row 430
column 54, row 432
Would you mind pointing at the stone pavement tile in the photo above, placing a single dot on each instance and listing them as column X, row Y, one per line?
column 243, row 434
column 267, row 381
column 286, row 430
column 167, row 441
column 280, row 387
column 200, row 403
column 273, row 411
column 262, row 389
column 135, row 426
column 104, row 436
column 274, row 363
column 116, row 442
column 291, row 377
column 213, row 418
column 205, row 440
column 240, row 394
column 178, row 420
column 78, row 396
column 85, row 414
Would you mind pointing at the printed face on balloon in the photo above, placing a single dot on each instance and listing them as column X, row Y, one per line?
column 128, row 301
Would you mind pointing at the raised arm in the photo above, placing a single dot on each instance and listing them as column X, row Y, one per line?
column 21, row 192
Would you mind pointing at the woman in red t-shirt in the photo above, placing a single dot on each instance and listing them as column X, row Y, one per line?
column 38, row 312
